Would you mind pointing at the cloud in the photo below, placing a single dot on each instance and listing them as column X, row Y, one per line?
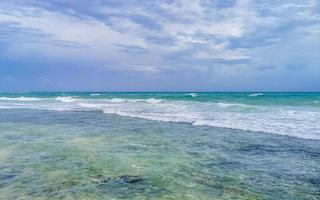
column 213, row 37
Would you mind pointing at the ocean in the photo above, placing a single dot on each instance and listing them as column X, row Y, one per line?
column 95, row 145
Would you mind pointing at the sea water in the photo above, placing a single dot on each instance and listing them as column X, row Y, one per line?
column 179, row 145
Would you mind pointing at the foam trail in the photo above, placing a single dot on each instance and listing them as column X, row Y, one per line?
column 119, row 100
column 228, row 105
column 21, row 99
column 152, row 100
column 89, row 105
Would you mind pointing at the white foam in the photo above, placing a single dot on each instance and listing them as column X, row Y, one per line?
column 21, row 99
column 256, row 94
column 119, row 100
column 89, row 105
column 138, row 145
column 66, row 99
column 224, row 105
column 227, row 105
column 96, row 94
column 193, row 95
column 5, row 107
column 297, row 123
column 301, row 122
column 152, row 100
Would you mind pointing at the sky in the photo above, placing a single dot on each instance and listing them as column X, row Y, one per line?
column 159, row 45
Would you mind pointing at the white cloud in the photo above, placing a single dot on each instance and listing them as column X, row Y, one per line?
column 62, row 27
column 205, row 32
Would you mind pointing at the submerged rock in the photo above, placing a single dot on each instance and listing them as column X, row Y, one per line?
column 124, row 178
column 6, row 179
column 131, row 178
column 101, row 179
column 315, row 182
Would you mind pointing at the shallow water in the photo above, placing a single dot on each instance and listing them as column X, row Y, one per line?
column 47, row 154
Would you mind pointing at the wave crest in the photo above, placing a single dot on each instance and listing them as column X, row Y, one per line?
column 119, row 100
column 192, row 95
column 282, row 120
column 66, row 99
column 20, row 99
column 256, row 94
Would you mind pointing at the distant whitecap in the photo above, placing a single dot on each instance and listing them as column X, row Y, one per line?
column 95, row 94
column 256, row 94
column 193, row 95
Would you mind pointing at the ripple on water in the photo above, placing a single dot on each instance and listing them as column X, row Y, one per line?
column 137, row 159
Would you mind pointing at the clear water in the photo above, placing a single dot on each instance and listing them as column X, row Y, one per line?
column 181, row 145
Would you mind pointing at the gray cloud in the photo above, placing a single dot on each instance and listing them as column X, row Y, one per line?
column 210, row 38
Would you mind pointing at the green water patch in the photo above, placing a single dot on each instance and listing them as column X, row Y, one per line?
column 84, row 155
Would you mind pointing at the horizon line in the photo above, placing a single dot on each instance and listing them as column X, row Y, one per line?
column 56, row 91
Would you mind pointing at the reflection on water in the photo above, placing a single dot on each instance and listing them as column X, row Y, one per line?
column 90, row 155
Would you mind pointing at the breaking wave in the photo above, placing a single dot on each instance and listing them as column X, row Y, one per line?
column 66, row 99
column 120, row 100
column 192, row 95
column 227, row 105
column 20, row 99
column 283, row 120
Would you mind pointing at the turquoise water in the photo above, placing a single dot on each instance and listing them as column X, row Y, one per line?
column 291, row 114
column 159, row 146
